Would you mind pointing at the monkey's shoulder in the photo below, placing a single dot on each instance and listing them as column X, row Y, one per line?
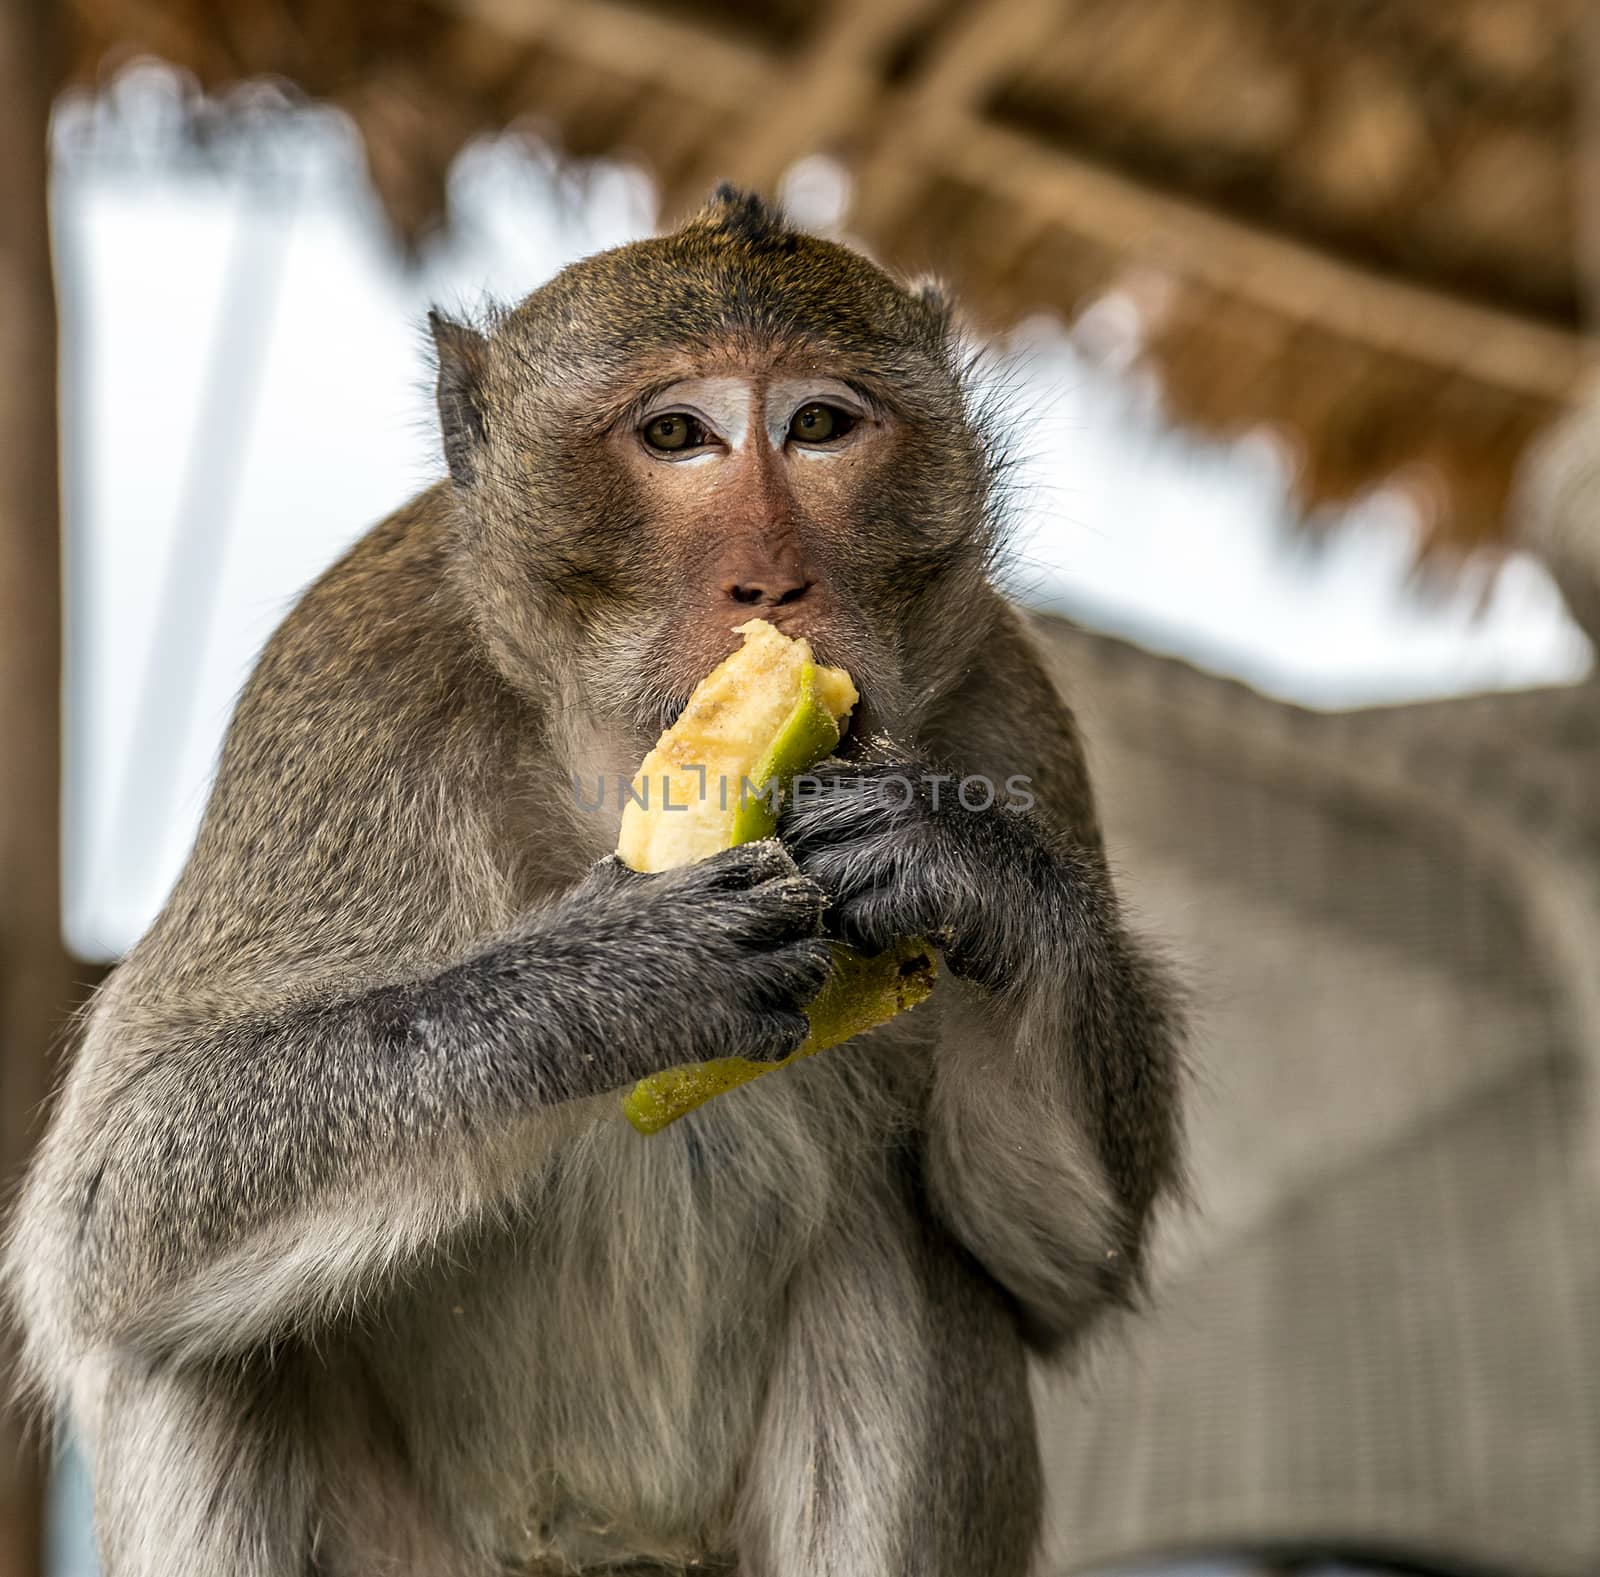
column 389, row 601
column 376, row 667
column 358, row 806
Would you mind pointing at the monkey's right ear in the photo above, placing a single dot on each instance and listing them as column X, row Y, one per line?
column 462, row 352
column 936, row 298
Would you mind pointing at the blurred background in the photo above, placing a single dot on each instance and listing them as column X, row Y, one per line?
column 1288, row 304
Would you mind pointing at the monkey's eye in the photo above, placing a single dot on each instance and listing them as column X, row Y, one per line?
column 817, row 423
column 673, row 430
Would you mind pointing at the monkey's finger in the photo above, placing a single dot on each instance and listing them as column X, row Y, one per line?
column 852, row 809
column 609, row 872
column 873, row 921
column 775, row 1035
column 744, row 865
column 782, row 981
column 800, row 969
column 757, row 919
column 788, row 908
column 845, row 869
column 785, row 978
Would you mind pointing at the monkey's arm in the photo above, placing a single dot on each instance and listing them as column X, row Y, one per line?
column 340, row 1046
column 1053, row 1122
column 217, row 1180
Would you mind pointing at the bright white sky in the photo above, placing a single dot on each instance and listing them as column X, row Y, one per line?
column 247, row 372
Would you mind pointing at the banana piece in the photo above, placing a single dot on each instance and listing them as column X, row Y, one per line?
column 761, row 716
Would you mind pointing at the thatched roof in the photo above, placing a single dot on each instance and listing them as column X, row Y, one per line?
column 1355, row 220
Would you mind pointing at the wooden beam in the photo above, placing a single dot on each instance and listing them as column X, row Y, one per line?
column 827, row 95
column 978, row 45
column 35, row 979
column 690, row 60
column 981, row 46
column 937, row 127
column 1296, row 282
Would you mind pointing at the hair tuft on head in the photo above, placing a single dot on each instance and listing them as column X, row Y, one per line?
column 743, row 215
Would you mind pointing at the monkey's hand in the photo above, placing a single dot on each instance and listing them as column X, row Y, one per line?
column 1052, row 1106
column 901, row 854
column 714, row 959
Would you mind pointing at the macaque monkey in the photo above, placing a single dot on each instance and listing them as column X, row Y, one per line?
column 336, row 1255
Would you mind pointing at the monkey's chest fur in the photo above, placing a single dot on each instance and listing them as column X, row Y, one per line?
column 587, row 1376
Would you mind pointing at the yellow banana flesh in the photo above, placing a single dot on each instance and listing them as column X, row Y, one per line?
column 761, row 716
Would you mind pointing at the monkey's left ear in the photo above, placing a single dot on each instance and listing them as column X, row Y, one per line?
column 462, row 352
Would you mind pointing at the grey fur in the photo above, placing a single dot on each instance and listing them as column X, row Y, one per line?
column 335, row 1253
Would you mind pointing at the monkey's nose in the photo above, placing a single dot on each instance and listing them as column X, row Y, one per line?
column 775, row 590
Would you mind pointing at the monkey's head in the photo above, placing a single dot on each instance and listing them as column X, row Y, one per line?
column 735, row 420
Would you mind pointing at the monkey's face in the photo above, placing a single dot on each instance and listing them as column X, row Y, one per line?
column 767, row 485
column 731, row 422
